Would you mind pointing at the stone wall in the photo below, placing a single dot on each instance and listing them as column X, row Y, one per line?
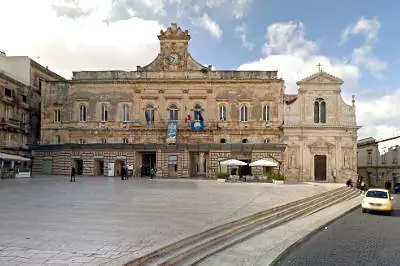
column 259, row 155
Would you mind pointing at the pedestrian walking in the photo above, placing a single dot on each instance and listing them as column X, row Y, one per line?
column 362, row 187
column 122, row 173
column 73, row 174
column 151, row 173
column 349, row 183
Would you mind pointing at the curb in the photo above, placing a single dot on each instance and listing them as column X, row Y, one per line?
column 308, row 236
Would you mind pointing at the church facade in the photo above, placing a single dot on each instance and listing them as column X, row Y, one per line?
column 185, row 118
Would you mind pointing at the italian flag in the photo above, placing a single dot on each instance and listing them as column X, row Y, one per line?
column 245, row 125
column 124, row 124
column 267, row 123
column 102, row 124
column 187, row 117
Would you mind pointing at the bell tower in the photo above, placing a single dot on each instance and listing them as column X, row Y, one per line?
column 173, row 55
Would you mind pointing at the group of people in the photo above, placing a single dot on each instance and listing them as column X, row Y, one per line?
column 125, row 172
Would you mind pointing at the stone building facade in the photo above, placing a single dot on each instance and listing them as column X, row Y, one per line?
column 320, row 131
column 21, row 80
column 378, row 160
column 101, row 120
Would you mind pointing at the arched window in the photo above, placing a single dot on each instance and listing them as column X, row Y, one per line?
column 316, row 112
column 104, row 112
column 125, row 113
column 57, row 139
column 266, row 113
column 267, row 140
column 222, row 113
column 173, row 112
column 243, row 114
column 197, row 112
column 323, row 112
column 149, row 113
column 222, row 140
column 319, row 111
column 82, row 113
column 245, row 141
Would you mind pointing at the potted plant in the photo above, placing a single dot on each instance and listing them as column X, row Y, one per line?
column 276, row 178
column 222, row 177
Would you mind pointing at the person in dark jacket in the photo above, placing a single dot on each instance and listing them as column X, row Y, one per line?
column 122, row 173
column 73, row 172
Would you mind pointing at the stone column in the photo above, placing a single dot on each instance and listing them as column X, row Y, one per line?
column 201, row 163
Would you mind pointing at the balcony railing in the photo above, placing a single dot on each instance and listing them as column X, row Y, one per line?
column 9, row 122
column 162, row 125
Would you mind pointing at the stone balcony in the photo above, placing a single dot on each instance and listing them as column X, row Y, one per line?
column 10, row 123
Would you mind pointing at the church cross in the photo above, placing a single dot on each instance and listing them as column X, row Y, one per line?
column 319, row 67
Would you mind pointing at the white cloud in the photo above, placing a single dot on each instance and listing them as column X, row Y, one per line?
column 288, row 51
column 84, row 43
column 368, row 27
column 363, row 56
column 238, row 7
column 288, row 38
column 379, row 116
column 241, row 29
column 207, row 23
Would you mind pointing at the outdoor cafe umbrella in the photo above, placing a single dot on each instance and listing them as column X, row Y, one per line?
column 264, row 162
column 233, row 162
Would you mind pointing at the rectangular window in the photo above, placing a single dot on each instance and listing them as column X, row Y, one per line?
column 56, row 139
column 23, row 117
column 57, row 115
column 395, row 155
column 369, row 158
column 173, row 159
column 384, row 157
column 7, row 92
column 125, row 140
column 24, row 99
column 7, row 112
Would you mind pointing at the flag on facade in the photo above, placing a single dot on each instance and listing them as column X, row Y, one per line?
column 267, row 123
column 124, row 124
column 136, row 124
column 102, row 124
column 187, row 116
column 200, row 116
column 147, row 115
column 245, row 125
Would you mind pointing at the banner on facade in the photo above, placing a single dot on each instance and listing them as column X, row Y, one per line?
column 197, row 125
column 136, row 124
column 171, row 132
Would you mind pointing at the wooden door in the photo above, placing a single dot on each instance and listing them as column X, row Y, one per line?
column 320, row 167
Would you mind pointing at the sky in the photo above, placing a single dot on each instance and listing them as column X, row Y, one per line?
column 353, row 40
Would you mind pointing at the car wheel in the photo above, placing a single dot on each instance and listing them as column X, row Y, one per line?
column 363, row 210
column 390, row 213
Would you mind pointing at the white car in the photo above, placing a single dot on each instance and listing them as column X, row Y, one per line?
column 376, row 199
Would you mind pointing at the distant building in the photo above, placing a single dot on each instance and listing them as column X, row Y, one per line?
column 378, row 160
column 21, row 82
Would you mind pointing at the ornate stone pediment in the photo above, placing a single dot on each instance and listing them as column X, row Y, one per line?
column 321, row 77
column 321, row 144
column 174, row 55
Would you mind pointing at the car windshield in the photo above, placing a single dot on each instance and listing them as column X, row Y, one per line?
column 377, row 194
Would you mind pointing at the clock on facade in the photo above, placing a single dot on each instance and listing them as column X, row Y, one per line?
column 174, row 59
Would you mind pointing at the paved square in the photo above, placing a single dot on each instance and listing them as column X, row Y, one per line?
column 98, row 221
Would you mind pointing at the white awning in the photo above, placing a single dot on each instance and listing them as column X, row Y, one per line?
column 264, row 162
column 10, row 157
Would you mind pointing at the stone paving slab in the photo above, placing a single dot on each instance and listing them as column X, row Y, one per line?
column 108, row 221
column 263, row 249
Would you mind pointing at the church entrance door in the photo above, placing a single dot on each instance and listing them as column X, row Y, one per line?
column 320, row 167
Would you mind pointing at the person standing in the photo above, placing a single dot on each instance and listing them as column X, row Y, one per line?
column 122, row 173
column 151, row 173
column 73, row 174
